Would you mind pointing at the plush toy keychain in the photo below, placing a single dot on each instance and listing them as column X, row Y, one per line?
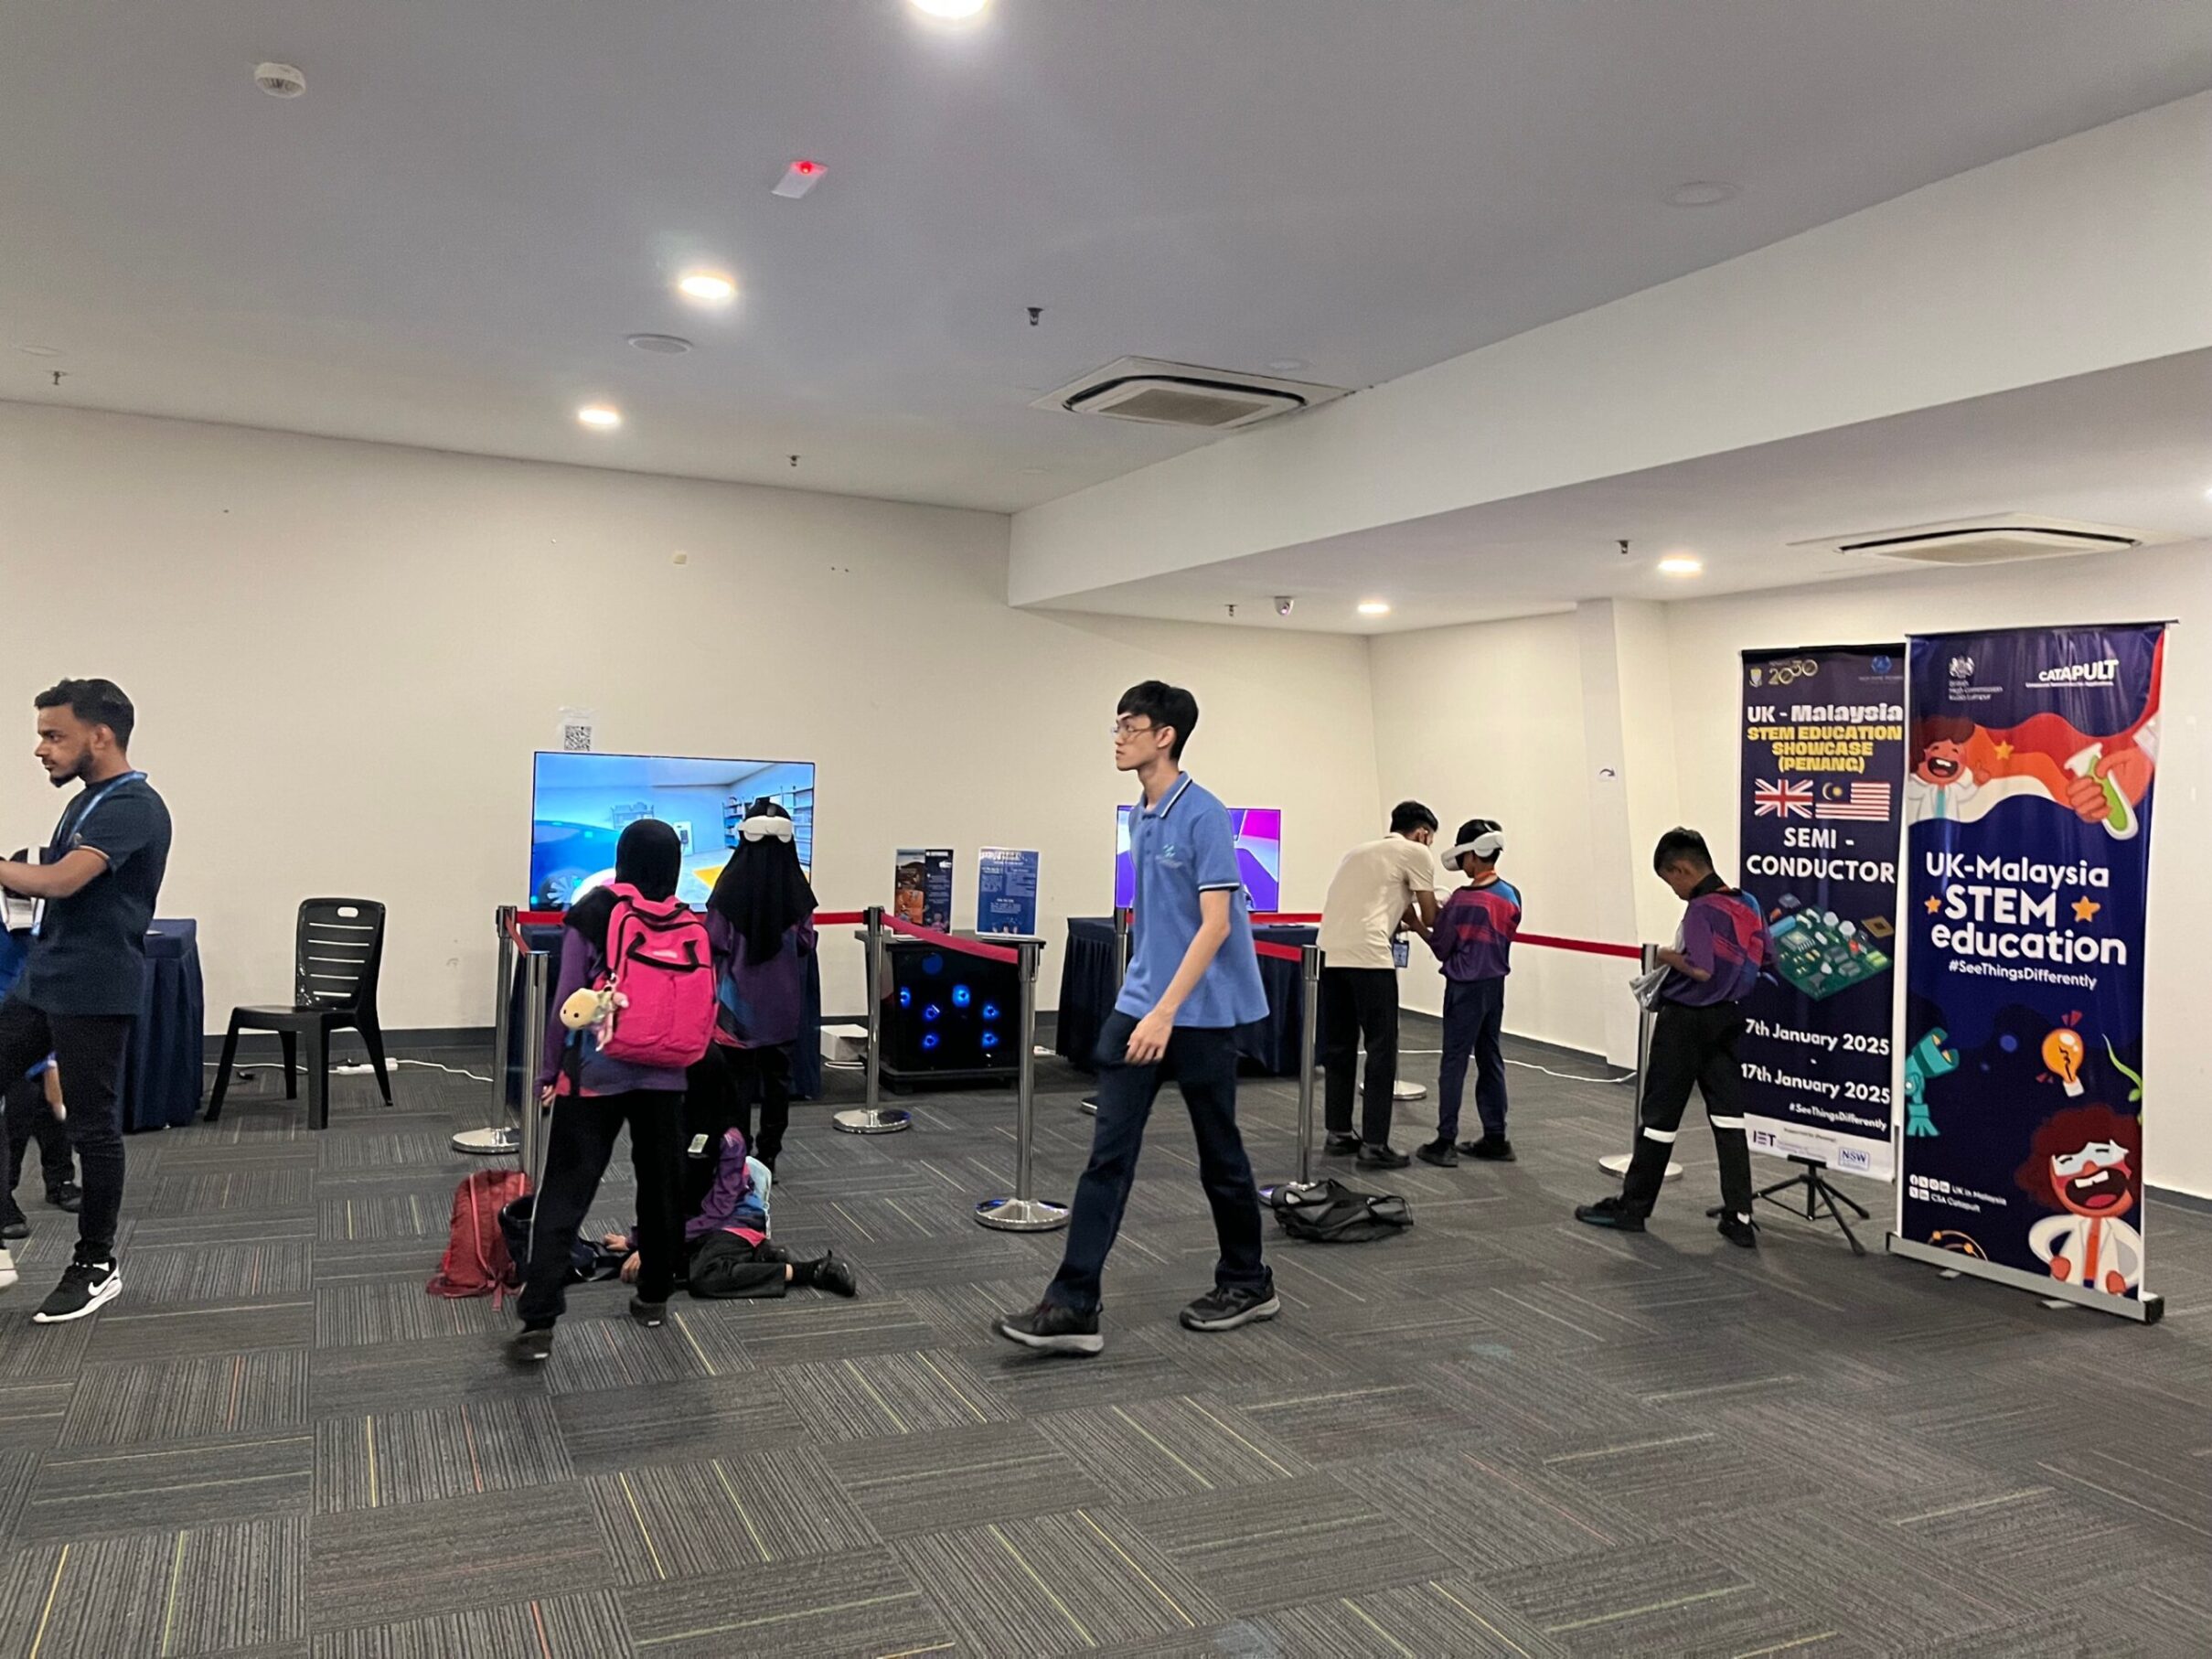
column 592, row 1009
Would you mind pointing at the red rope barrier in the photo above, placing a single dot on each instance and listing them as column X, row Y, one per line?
column 945, row 941
column 840, row 918
column 1286, row 918
column 1286, row 953
column 1587, row 947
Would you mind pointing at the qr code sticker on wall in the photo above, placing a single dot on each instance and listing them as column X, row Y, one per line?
column 576, row 738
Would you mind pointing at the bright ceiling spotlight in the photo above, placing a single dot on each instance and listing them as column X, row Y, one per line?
column 600, row 417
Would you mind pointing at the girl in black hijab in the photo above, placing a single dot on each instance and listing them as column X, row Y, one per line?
column 760, row 920
column 592, row 1096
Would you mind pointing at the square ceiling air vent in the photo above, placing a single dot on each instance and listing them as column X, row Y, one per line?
column 1991, row 539
column 1183, row 395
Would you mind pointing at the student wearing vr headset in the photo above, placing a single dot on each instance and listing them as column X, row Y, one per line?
column 1474, row 938
column 760, row 921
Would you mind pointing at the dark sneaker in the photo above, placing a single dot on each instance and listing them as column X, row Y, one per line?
column 1224, row 1308
column 1608, row 1213
column 67, row 1196
column 1341, row 1146
column 14, row 1224
column 1049, row 1328
column 532, row 1347
column 1439, row 1152
column 836, row 1276
column 650, row 1314
column 1381, row 1158
column 1490, row 1149
column 1740, row 1230
column 85, row 1286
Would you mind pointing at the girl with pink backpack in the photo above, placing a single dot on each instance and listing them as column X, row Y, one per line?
column 633, row 1008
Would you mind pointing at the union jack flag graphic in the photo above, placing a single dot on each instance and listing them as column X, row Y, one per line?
column 1782, row 798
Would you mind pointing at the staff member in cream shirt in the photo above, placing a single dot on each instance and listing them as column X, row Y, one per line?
column 1380, row 889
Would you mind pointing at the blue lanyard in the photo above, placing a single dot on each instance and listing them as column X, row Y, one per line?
column 83, row 809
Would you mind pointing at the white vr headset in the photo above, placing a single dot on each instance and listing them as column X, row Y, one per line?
column 1486, row 846
column 767, row 827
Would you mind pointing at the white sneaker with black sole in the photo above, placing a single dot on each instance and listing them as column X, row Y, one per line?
column 85, row 1287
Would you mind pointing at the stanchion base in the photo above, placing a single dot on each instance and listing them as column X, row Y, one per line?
column 1090, row 1104
column 501, row 1142
column 1021, row 1215
column 1617, row 1164
column 867, row 1120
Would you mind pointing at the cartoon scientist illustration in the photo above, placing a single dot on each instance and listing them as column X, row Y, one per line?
column 2085, row 1162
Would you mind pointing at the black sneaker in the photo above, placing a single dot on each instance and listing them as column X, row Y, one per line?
column 1224, row 1308
column 1608, row 1213
column 1490, row 1149
column 1740, row 1230
column 532, row 1347
column 1439, row 1152
column 68, row 1196
column 1381, row 1158
column 650, row 1314
column 14, row 1224
column 1049, row 1328
column 836, row 1276
column 85, row 1286
column 1341, row 1146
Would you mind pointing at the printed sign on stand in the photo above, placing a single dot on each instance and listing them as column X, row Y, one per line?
column 1823, row 765
column 922, row 887
column 1006, row 892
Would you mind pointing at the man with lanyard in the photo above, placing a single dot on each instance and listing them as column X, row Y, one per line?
column 1193, row 979
column 1711, row 968
column 93, row 894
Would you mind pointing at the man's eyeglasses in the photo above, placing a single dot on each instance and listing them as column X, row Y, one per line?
column 1122, row 728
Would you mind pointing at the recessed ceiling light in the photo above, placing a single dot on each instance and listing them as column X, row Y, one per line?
column 1703, row 193
column 1680, row 564
column 950, row 11
column 708, row 287
column 603, row 417
column 1287, row 365
column 1373, row 607
column 662, row 345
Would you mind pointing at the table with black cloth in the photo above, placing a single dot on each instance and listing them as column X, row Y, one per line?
column 521, row 1050
column 162, row 1070
column 1090, row 978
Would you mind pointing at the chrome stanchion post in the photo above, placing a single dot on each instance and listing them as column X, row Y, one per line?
column 871, row 1118
column 538, row 990
column 1021, row 1213
column 1309, row 1020
column 499, row 1138
column 1617, row 1164
column 1122, row 920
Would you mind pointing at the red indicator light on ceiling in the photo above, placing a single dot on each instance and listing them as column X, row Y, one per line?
column 798, row 178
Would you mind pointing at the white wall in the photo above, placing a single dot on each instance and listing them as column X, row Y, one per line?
column 343, row 654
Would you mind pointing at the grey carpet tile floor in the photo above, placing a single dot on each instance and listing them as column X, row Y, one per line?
column 1499, row 1434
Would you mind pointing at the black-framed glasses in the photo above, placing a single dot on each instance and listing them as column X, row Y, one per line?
column 1122, row 728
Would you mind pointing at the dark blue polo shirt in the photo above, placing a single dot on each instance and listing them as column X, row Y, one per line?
column 88, row 952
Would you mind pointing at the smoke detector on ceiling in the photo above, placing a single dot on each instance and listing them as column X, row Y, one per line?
column 280, row 80
column 1989, row 539
column 1183, row 395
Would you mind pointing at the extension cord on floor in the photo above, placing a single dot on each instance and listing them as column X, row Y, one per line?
column 360, row 1069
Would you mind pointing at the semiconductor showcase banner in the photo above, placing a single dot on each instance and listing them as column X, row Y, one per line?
column 1823, row 764
column 2033, row 756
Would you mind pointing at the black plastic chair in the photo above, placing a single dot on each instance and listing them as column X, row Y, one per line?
column 339, row 952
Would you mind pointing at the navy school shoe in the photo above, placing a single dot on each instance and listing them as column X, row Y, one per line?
column 1049, row 1328
column 1608, row 1213
column 1224, row 1308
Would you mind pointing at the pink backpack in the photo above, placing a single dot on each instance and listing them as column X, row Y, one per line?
column 477, row 1262
column 659, row 961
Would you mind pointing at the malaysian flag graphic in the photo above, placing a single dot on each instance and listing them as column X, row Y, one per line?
column 1782, row 798
column 1865, row 803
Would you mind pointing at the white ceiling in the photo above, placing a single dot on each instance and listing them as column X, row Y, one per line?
column 2126, row 446
column 447, row 239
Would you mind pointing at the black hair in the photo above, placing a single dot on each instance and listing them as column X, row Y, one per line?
column 648, row 856
column 1163, row 705
column 97, row 702
column 1471, row 831
column 1408, row 816
column 1682, row 847
column 763, row 891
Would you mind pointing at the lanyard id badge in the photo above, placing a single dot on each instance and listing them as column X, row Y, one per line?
column 73, row 819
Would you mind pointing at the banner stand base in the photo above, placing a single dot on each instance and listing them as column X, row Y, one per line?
column 504, row 1142
column 870, row 1120
column 1021, row 1215
column 2147, row 1309
column 1818, row 1192
column 1617, row 1164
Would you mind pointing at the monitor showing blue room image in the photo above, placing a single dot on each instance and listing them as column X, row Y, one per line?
column 1259, row 856
column 580, row 803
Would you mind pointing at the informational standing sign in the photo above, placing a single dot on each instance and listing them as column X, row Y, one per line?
column 1824, row 761
column 922, row 887
column 1006, row 892
column 2031, row 756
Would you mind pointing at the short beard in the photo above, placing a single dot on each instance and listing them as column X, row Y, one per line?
column 62, row 780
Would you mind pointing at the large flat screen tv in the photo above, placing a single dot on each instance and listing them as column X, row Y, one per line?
column 1259, row 855
column 579, row 804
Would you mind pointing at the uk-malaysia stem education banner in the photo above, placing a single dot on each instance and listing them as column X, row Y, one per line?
column 2031, row 756
column 1823, row 763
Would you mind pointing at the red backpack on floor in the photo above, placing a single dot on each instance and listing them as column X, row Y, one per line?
column 477, row 1262
column 659, row 961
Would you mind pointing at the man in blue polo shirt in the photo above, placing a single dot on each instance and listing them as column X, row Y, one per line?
column 1193, row 979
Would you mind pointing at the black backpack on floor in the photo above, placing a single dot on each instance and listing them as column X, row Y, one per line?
column 1331, row 1212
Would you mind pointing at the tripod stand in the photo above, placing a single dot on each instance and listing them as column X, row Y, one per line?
column 1818, row 1192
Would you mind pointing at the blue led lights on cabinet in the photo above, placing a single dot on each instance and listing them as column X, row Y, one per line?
column 962, row 996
